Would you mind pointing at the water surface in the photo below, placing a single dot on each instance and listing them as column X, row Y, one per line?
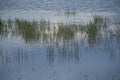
column 46, row 40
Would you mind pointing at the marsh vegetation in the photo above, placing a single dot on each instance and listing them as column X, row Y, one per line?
column 70, row 35
column 44, row 29
column 57, row 42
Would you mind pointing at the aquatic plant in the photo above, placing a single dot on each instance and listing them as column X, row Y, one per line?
column 65, row 31
column 94, row 28
column 62, row 35
column 44, row 30
column 118, row 34
column 92, row 32
column 118, row 30
column 81, row 28
column 70, row 12
column 27, row 30
column 97, row 19
column 1, row 27
column 1, row 23
column 10, row 23
column 44, row 24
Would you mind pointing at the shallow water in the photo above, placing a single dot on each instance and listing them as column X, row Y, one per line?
column 64, row 56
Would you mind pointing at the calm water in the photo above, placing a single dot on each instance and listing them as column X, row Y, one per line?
column 33, row 54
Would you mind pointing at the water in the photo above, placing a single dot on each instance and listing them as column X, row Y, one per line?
column 88, row 5
column 34, row 53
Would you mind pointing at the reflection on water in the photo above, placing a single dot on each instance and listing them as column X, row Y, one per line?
column 17, row 56
column 64, row 51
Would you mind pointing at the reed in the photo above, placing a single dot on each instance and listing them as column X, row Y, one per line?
column 44, row 25
column 92, row 32
column 27, row 29
column 1, row 27
column 35, row 30
column 65, row 31
column 94, row 28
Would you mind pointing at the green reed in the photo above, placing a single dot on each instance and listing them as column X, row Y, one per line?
column 27, row 29
column 93, row 28
column 66, row 31
column 1, row 27
column 36, row 30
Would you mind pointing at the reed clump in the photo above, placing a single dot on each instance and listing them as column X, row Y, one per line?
column 93, row 28
column 44, row 25
column 65, row 31
column 27, row 29
column 35, row 30
column 1, row 27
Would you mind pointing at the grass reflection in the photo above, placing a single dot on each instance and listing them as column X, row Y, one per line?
column 64, row 52
column 18, row 56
